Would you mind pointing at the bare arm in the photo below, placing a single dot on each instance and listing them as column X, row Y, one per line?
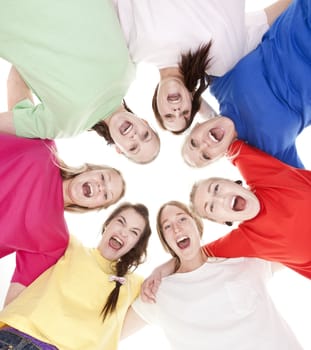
column 273, row 11
column 17, row 89
column 132, row 323
column 14, row 290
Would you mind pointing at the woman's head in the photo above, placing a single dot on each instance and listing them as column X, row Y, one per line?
column 177, row 98
column 125, row 238
column 223, row 200
column 131, row 135
column 91, row 186
column 179, row 230
column 208, row 141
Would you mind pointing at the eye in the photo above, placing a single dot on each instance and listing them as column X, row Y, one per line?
column 105, row 195
column 103, row 178
column 133, row 148
column 168, row 116
column 185, row 113
column 193, row 143
column 206, row 157
column 134, row 232
column 183, row 219
column 216, row 188
column 146, row 136
column 166, row 227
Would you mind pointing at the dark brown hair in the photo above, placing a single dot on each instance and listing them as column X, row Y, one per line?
column 193, row 67
column 131, row 259
column 184, row 208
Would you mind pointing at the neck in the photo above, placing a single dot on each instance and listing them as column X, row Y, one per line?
column 193, row 263
column 170, row 72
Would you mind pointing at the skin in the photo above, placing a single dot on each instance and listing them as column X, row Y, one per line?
column 93, row 189
column 208, row 141
column 133, row 136
column 182, row 235
column 121, row 234
column 224, row 200
column 173, row 99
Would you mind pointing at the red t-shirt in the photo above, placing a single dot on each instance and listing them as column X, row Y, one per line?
column 32, row 222
column 282, row 229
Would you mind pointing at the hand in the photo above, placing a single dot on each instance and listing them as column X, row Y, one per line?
column 150, row 287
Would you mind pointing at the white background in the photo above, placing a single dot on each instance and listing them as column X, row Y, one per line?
column 167, row 178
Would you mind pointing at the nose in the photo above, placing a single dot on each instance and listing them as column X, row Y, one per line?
column 176, row 228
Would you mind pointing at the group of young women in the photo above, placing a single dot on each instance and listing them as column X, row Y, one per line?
column 79, row 62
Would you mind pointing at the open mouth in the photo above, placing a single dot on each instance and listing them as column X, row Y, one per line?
column 87, row 190
column 115, row 243
column 216, row 134
column 173, row 97
column 238, row 203
column 183, row 242
column 125, row 127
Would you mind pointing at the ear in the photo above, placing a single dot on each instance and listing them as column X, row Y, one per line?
column 118, row 150
column 239, row 182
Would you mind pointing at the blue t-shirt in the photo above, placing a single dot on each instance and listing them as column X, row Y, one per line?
column 268, row 93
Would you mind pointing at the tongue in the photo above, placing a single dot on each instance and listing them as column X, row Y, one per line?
column 173, row 97
column 217, row 133
column 184, row 243
column 114, row 243
column 239, row 203
column 86, row 189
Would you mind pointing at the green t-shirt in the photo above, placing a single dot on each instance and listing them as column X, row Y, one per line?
column 73, row 55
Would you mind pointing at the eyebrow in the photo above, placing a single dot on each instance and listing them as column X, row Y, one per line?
column 178, row 214
column 132, row 228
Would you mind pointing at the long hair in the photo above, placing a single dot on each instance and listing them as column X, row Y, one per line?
column 131, row 259
column 68, row 172
column 102, row 128
column 164, row 243
column 193, row 67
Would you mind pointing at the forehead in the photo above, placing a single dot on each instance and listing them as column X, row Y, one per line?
column 170, row 212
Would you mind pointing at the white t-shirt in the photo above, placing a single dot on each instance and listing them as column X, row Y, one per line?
column 222, row 305
column 157, row 31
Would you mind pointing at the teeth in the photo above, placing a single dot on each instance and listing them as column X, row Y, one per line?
column 233, row 202
column 181, row 239
column 118, row 240
column 128, row 129
column 213, row 137
column 91, row 190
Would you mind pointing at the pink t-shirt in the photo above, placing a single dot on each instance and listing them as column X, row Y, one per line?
column 31, row 206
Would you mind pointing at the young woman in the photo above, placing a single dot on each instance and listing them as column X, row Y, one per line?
column 81, row 301
column 36, row 188
column 157, row 32
column 274, row 212
column 80, row 73
column 207, row 301
column 265, row 99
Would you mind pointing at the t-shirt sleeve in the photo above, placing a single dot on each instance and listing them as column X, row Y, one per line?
column 256, row 23
column 29, row 266
column 146, row 311
column 36, row 121
column 232, row 245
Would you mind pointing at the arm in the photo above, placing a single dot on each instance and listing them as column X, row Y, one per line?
column 273, row 11
column 132, row 323
column 17, row 91
column 14, row 290
column 151, row 284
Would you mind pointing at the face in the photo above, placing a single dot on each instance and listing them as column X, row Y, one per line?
column 224, row 200
column 180, row 232
column 133, row 137
column 95, row 188
column 208, row 141
column 174, row 103
column 121, row 234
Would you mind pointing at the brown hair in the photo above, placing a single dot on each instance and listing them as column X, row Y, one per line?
column 131, row 259
column 189, row 212
column 193, row 67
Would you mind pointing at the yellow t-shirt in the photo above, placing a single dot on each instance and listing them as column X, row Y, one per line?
column 63, row 306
